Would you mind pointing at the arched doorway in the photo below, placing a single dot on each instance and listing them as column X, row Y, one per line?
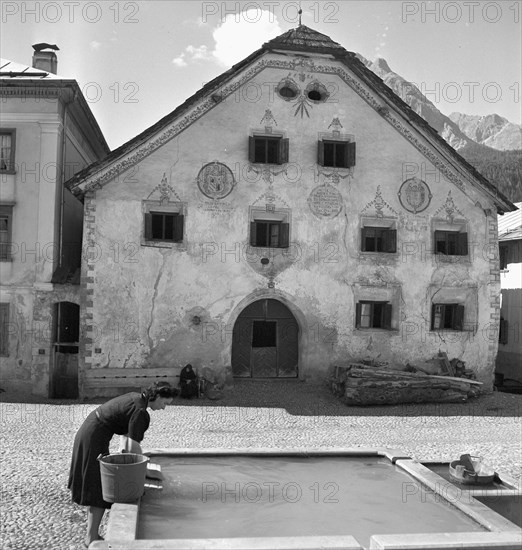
column 265, row 341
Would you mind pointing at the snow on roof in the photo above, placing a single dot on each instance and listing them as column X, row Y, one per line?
column 510, row 224
column 12, row 69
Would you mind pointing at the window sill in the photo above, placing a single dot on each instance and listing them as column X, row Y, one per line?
column 7, row 171
column 165, row 244
column 391, row 255
column 383, row 330
column 452, row 259
column 6, row 260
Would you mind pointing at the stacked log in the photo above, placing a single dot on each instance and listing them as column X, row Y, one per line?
column 360, row 384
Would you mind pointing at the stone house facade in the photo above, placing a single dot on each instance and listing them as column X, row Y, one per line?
column 292, row 215
column 47, row 134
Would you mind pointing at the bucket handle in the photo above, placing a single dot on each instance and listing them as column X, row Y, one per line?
column 101, row 455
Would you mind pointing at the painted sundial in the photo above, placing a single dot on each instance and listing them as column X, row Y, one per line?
column 415, row 195
column 325, row 201
column 215, row 180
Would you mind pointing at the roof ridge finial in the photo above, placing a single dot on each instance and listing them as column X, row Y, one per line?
column 300, row 12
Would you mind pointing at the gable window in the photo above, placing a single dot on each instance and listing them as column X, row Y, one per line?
column 447, row 317
column 268, row 149
column 7, row 150
column 6, row 222
column 164, row 226
column 4, row 330
column 373, row 315
column 378, row 239
column 269, row 234
column 451, row 243
column 336, row 154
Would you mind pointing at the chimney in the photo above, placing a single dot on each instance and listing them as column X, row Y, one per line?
column 45, row 61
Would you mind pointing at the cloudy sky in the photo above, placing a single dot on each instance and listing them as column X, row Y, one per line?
column 137, row 61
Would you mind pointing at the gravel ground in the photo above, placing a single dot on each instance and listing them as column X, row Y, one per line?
column 37, row 435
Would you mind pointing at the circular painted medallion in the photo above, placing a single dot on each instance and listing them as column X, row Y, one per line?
column 215, row 180
column 415, row 195
column 325, row 201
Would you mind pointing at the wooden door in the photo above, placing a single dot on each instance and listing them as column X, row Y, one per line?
column 265, row 341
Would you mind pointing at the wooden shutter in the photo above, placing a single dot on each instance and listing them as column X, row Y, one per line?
column 439, row 236
column 253, row 234
column 179, row 221
column 350, row 154
column 433, row 318
column 4, row 330
column 462, row 244
column 390, row 240
column 363, row 239
column 458, row 319
column 503, row 332
column 148, row 226
column 358, row 308
column 251, row 148
column 284, row 237
column 387, row 316
column 320, row 153
column 284, row 145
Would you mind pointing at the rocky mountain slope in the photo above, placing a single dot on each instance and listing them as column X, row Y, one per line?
column 491, row 130
column 492, row 144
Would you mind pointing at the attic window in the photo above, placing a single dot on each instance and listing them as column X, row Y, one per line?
column 337, row 154
column 267, row 149
column 287, row 89
column 317, row 92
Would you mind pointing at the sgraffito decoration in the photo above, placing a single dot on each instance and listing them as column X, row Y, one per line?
column 216, row 180
column 415, row 195
column 165, row 191
column 450, row 209
column 379, row 204
column 325, row 201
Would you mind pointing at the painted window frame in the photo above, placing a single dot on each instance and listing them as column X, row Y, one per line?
column 176, row 209
column 385, row 224
column 282, row 146
column 379, row 314
column 10, row 167
column 460, row 229
column 348, row 154
column 279, row 217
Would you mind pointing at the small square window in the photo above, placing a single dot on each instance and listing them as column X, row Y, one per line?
column 269, row 234
column 164, row 226
column 447, row 317
column 268, row 149
column 6, row 222
column 336, row 154
column 378, row 239
column 373, row 315
column 7, row 150
column 451, row 243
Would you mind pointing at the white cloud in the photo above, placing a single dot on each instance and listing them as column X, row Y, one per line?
column 241, row 34
column 95, row 45
column 236, row 38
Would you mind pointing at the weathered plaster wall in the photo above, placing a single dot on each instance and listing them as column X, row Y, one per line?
column 142, row 299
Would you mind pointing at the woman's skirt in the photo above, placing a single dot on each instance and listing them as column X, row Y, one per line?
column 92, row 439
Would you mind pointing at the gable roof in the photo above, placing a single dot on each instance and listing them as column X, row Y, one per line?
column 308, row 40
column 510, row 225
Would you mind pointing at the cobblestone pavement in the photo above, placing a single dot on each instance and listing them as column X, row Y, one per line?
column 36, row 440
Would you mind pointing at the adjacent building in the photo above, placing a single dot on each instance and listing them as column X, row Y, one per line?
column 47, row 134
column 509, row 359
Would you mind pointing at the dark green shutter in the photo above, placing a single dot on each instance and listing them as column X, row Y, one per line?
column 350, row 154
column 253, row 234
column 363, row 239
column 179, row 221
column 4, row 329
column 458, row 320
column 390, row 240
column 320, row 153
column 387, row 316
column 357, row 314
column 284, row 237
column 251, row 149
column 284, row 145
column 462, row 244
column 148, row 226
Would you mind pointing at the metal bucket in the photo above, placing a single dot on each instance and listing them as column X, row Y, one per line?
column 123, row 476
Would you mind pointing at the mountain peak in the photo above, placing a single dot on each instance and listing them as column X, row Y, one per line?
column 381, row 64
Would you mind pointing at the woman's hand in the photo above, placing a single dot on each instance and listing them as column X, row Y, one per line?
column 128, row 445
